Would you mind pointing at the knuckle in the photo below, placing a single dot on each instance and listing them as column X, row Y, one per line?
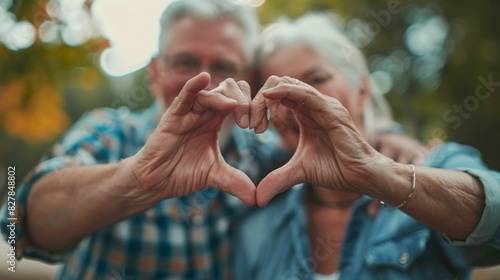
column 243, row 83
column 273, row 78
column 229, row 80
column 309, row 91
column 244, row 86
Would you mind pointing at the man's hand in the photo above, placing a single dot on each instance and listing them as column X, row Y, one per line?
column 400, row 148
column 182, row 155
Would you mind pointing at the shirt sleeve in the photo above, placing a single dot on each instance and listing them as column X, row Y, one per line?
column 485, row 238
column 94, row 139
column 489, row 224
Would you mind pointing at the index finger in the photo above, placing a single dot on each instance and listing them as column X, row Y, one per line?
column 260, row 111
column 292, row 95
column 183, row 103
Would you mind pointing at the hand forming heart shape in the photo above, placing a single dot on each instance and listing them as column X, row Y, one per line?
column 182, row 156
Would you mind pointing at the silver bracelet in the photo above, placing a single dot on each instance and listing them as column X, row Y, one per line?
column 413, row 186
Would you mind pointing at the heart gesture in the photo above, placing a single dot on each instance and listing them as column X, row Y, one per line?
column 182, row 156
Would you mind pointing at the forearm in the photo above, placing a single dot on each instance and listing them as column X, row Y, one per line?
column 68, row 204
column 448, row 201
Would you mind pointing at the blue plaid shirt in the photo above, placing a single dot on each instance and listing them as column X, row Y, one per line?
column 180, row 238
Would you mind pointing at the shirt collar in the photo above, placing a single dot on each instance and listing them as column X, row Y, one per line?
column 294, row 202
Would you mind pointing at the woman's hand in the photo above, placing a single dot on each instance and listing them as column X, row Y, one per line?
column 182, row 155
column 331, row 152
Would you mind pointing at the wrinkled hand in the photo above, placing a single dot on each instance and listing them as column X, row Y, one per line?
column 331, row 152
column 182, row 155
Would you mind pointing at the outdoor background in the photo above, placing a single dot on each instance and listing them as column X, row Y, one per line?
column 437, row 62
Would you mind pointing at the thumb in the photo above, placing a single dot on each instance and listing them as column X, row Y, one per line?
column 234, row 182
column 277, row 182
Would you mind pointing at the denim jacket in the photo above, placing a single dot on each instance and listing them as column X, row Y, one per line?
column 272, row 243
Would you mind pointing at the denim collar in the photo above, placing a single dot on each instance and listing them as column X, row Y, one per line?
column 294, row 203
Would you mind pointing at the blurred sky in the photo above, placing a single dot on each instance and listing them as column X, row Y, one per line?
column 131, row 26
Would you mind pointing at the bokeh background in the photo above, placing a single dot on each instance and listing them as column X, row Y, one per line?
column 437, row 62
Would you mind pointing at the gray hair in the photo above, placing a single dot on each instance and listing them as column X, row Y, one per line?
column 241, row 14
column 320, row 32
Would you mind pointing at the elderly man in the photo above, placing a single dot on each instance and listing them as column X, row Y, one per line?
column 125, row 194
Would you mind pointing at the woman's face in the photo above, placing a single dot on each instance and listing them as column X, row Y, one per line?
column 303, row 63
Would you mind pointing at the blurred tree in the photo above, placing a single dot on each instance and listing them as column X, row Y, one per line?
column 39, row 67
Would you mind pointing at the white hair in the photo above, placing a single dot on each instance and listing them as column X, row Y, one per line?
column 320, row 32
column 241, row 14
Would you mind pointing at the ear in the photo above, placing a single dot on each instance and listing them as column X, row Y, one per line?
column 154, row 77
column 364, row 93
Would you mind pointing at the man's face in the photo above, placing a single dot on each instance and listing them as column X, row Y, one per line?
column 197, row 45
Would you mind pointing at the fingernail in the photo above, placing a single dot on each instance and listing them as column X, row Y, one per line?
column 244, row 120
column 268, row 114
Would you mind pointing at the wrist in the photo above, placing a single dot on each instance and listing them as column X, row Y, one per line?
column 132, row 193
column 394, row 182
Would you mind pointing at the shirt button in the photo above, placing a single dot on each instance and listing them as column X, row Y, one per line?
column 405, row 257
column 149, row 214
column 370, row 259
column 197, row 219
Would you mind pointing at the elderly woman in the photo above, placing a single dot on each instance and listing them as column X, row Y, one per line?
column 437, row 220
